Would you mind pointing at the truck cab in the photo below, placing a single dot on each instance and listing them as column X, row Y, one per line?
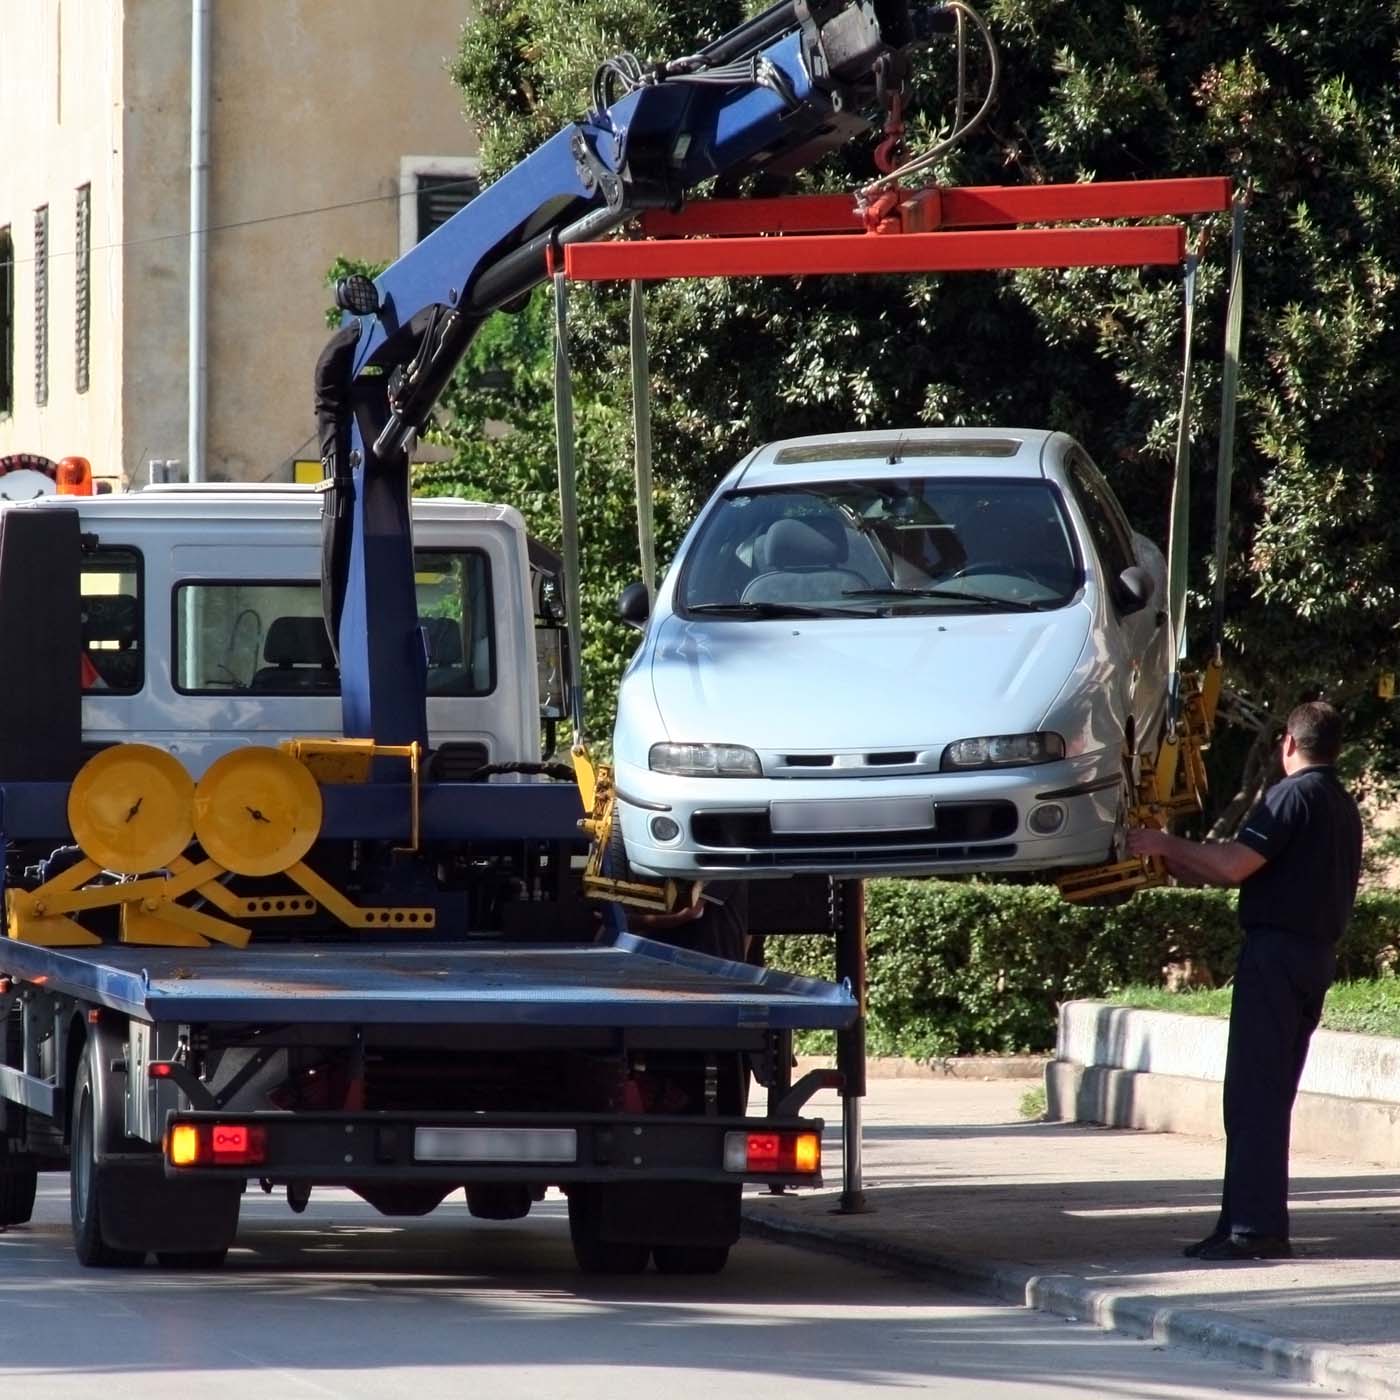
column 202, row 624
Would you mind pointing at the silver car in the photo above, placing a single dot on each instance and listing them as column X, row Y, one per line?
column 922, row 651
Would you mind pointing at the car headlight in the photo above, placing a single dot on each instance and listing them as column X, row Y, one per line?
column 704, row 760
column 1002, row 751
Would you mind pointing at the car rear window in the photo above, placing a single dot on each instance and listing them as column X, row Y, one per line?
column 886, row 545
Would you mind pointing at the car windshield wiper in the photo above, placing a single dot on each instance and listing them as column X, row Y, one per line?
column 772, row 610
column 955, row 593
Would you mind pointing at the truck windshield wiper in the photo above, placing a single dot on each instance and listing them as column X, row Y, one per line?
column 772, row 610
column 955, row 593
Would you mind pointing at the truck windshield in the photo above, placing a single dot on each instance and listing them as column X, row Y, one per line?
column 907, row 544
column 268, row 636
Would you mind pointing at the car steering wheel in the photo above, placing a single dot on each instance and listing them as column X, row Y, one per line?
column 1010, row 570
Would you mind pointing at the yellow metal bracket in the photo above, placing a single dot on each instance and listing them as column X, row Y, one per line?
column 595, row 787
column 1173, row 786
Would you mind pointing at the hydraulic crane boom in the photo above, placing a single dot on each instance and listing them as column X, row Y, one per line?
column 773, row 95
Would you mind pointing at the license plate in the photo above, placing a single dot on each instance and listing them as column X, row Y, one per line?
column 833, row 816
column 495, row 1145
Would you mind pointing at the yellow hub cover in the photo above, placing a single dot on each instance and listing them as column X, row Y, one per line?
column 131, row 808
column 257, row 811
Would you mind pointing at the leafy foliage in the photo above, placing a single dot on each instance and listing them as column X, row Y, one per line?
column 1294, row 102
column 976, row 968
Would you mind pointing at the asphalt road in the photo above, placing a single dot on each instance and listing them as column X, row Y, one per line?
column 343, row 1302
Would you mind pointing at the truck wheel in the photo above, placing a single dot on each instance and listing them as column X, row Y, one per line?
column 594, row 1254
column 18, row 1183
column 690, row 1258
column 92, row 1249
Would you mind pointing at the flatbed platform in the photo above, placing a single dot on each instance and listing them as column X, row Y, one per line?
column 631, row 983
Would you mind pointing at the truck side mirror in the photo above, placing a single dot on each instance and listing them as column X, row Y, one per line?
column 1134, row 590
column 634, row 605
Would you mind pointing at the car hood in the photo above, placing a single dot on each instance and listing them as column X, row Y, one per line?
column 844, row 684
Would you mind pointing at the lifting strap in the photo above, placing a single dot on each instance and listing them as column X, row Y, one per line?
column 568, row 499
column 1178, row 536
column 641, row 417
column 1229, row 393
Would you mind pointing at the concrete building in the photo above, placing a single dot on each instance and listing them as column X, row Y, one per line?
column 333, row 129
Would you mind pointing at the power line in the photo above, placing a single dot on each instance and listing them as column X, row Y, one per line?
column 468, row 182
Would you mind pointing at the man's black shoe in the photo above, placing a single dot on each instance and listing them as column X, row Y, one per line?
column 1194, row 1251
column 1238, row 1246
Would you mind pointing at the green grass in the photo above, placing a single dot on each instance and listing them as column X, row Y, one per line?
column 1032, row 1104
column 1370, row 1008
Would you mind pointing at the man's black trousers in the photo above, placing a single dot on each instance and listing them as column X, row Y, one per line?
column 1280, row 982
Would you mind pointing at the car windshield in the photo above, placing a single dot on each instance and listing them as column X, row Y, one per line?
column 889, row 547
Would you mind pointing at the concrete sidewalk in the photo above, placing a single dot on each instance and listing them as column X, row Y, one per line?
column 1089, row 1222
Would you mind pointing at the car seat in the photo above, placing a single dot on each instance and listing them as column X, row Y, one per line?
column 447, row 675
column 803, row 562
column 299, row 657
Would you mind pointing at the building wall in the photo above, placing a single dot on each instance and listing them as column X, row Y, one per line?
column 314, row 105
column 60, row 128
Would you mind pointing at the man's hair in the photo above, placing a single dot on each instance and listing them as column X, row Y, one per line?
column 1317, row 730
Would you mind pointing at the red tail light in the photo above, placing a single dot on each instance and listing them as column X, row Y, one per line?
column 787, row 1152
column 216, row 1145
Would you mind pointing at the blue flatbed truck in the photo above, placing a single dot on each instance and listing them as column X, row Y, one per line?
column 360, row 961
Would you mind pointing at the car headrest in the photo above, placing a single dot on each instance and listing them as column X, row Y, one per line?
column 817, row 542
column 109, row 618
column 298, row 641
column 444, row 636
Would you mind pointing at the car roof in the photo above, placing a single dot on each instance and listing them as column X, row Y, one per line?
column 988, row 452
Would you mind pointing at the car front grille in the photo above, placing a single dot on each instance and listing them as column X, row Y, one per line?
column 955, row 824
column 837, row 859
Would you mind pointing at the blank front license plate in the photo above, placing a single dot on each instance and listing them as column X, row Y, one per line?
column 495, row 1145
column 851, row 814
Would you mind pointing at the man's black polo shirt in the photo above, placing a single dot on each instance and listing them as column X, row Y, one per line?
column 1308, row 830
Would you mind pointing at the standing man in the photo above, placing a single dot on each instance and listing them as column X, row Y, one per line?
column 1297, row 861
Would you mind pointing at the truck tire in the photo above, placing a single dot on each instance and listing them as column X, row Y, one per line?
column 690, row 1258
column 19, row 1180
column 85, row 1171
column 593, row 1253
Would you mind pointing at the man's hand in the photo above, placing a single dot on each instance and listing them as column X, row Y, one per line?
column 1148, row 841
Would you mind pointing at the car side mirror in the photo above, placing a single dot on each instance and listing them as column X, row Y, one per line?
column 1134, row 590
column 634, row 605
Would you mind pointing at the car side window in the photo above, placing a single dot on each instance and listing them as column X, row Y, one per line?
column 1113, row 539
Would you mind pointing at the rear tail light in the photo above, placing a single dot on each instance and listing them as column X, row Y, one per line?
column 796, row 1153
column 216, row 1145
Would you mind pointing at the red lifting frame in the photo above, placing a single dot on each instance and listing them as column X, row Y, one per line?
column 816, row 233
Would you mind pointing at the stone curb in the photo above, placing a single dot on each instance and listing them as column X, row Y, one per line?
column 1135, row 1315
column 951, row 1067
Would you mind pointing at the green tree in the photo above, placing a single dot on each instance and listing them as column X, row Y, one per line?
column 1296, row 102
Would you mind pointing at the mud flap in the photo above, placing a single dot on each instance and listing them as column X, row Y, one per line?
column 141, row 1209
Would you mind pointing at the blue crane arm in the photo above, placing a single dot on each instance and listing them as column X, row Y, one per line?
column 772, row 96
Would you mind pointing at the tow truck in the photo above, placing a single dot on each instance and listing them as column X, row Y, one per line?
column 340, row 960
column 320, row 961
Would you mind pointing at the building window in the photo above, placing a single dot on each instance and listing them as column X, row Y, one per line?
column 431, row 190
column 41, row 305
column 83, row 290
column 7, row 323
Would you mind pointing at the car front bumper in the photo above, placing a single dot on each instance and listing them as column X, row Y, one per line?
column 976, row 821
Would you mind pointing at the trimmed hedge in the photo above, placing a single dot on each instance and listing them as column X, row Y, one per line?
column 958, row 969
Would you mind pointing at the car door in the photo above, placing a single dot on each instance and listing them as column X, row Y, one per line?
column 1136, row 639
